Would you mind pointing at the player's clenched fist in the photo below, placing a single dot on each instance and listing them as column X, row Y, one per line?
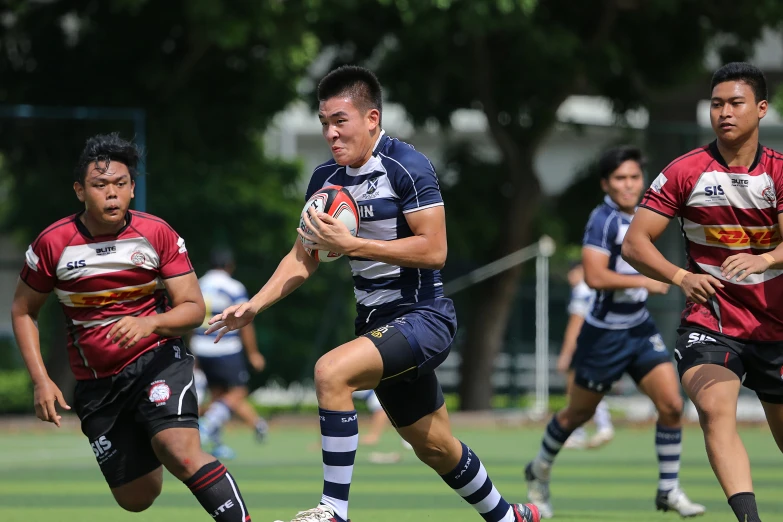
column 129, row 330
column 743, row 265
column 232, row 318
column 45, row 394
column 699, row 287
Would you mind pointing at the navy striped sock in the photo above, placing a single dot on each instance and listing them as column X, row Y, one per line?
column 668, row 445
column 339, row 439
column 554, row 438
column 470, row 480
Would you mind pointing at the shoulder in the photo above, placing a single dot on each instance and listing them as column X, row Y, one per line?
column 691, row 163
column 147, row 223
column 58, row 234
column 771, row 158
column 403, row 159
column 582, row 292
column 601, row 215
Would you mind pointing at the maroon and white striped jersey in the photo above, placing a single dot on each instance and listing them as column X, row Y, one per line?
column 725, row 211
column 99, row 280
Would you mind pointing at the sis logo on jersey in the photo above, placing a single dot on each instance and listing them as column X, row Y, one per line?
column 739, row 237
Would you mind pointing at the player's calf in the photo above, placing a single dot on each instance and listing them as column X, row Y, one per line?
column 139, row 494
column 208, row 479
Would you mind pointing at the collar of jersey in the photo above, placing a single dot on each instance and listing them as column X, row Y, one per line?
column 715, row 153
column 372, row 163
column 86, row 233
column 616, row 207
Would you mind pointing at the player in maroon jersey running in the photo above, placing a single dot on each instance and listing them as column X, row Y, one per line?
column 725, row 197
column 110, row 268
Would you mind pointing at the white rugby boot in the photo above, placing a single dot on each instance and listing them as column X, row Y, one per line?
column 676, row 500
column 538, row 492
column 320, row 513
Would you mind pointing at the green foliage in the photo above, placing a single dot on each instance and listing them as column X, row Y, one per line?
column 210, row 76
column 16, row 392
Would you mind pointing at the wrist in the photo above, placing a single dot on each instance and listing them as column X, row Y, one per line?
column 679, row 276
column 353, row 246
column 769, row 258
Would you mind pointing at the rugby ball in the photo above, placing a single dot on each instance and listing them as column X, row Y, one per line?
column 338, row 203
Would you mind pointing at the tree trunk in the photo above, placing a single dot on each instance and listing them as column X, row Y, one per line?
column 486, row 330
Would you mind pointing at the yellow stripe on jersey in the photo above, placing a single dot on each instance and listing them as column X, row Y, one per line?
column 732, row 236
column 112, row 296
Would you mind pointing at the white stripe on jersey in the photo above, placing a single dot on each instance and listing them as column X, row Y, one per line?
column 752, row 279
column 79, row 261
column 613, row 321
column 373, row 298
column 724, row 189
column 374, row 269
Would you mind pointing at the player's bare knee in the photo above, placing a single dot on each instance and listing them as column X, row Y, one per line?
column 136, row 504
column 329, row 380
column 140, row 498
column 670, row 411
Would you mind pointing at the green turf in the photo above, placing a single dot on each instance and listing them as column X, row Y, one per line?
column 52, row 476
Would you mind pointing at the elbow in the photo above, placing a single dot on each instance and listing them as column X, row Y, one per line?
column 628, row 252
column 199, row 313
column 593, row 281
column 438, row 260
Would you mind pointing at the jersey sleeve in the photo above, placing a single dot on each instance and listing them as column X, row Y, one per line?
column 600, row 232
column 173, row 253
column 666, row 194
column 40, row 268
column 417, row 185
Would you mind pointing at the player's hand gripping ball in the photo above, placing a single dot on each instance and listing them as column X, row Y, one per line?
column 338, row 203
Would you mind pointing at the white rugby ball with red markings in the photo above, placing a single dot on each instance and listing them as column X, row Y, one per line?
column 338, row 203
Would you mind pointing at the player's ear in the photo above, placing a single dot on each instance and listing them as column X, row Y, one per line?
column 763, row 105
column 605, row 184
column 373, row 118
column 79, row 189
column 133, row 188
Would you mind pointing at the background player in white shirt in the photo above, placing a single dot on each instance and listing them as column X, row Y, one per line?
column 224, row 364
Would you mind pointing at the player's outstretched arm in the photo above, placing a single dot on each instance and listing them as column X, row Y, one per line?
column 24, row 315
column 187, row 312
column 599, row 276
column 294, row 269
column 639, row 251
column 426, row 248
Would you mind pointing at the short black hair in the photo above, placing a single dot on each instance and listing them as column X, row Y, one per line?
column 358, row 83
column 105, row 148
column 221, row 258
column 612, row 158
column 742, row 72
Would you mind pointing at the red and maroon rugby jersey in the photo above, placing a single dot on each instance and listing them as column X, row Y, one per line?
column 725, row 211
column 99, row 280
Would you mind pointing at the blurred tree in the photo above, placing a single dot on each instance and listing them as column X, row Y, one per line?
column 210, row 75
column 517, row 61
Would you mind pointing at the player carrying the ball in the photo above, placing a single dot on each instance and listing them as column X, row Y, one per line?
column 725, row 195
column 405, row 326
column 111, row 269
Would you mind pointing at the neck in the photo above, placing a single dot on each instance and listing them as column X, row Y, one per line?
column 368, row 153
column 97, row 228
column 742, row 154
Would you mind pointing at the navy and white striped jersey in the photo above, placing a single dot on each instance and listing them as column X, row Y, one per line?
column 396, row 180
column 220, row 291
column 582, row 297
column 614, row 309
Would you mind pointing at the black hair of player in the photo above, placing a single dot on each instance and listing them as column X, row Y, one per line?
column 221, row 258
column 612, row 158
column 742, row 72
column 105, row 148
column 358, row 83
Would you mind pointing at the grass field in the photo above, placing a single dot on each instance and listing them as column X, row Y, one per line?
column 52, row 476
